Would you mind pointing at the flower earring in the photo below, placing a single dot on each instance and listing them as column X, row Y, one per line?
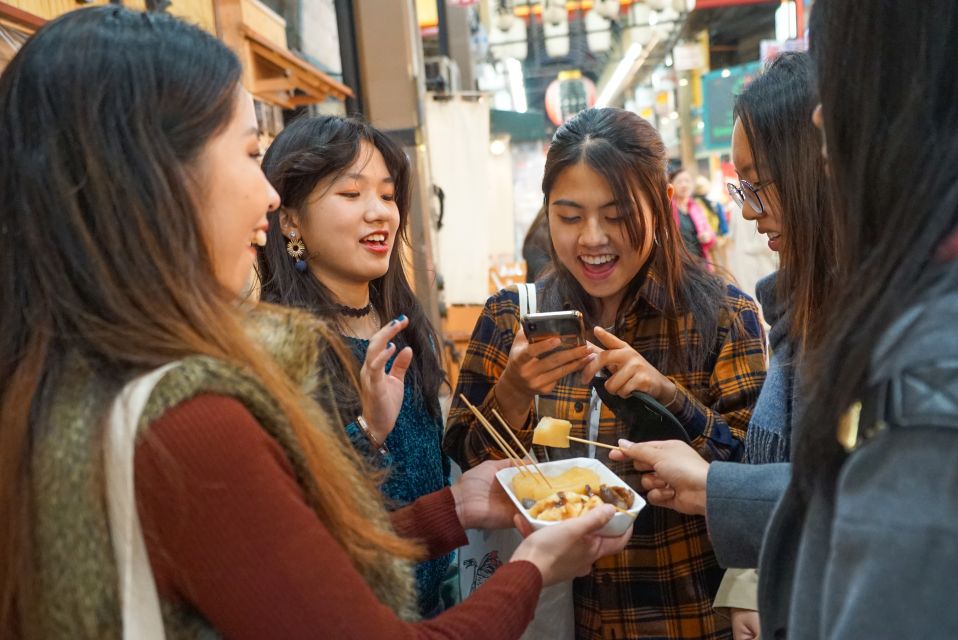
column 297, row 250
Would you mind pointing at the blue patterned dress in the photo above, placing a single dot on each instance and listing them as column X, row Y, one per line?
column 415, row 466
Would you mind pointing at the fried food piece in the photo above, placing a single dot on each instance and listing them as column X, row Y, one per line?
column 618, row 497
column 563, row 505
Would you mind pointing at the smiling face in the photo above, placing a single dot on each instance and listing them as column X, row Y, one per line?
column 590, row 236
column 236, row 196
column 349, row 224
column 769, row 221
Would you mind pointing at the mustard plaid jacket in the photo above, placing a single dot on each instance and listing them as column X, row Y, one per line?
column 662, row 584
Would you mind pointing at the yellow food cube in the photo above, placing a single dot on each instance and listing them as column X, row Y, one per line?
column 551, row 432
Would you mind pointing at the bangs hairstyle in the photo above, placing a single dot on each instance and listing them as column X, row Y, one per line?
column 104, row 113
column 310, row 154
column 629, row 154
column 775, row 111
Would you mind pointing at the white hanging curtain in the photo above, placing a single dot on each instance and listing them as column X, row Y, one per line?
column 10, row 42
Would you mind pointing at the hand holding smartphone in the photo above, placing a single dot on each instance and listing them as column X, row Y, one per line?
column 568, row 326
column 532, row 371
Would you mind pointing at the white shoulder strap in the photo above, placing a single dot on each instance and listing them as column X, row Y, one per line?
column 527, row 305
column 142, row 618
column 527, row 299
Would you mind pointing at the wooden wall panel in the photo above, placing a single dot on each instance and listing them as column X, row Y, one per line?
column 264, row 21
column 199, row 12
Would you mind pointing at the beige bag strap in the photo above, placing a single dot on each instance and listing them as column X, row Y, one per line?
column 527, row 305
column 142, row 618
column 527, row 299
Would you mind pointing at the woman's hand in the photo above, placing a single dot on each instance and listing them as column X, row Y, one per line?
column 381, row 393
column 481, row 502
column 630, row 371
column 569, row 549
column 529, row 372
column 678, row 473
column 745, row 625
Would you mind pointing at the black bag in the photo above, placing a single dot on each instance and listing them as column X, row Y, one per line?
column 646, row 417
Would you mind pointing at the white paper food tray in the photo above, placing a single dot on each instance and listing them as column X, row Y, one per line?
column 615, row 527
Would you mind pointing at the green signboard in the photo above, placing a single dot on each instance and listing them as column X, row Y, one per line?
column 719, row 89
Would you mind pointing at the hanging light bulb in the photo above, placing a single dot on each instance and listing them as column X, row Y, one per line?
column 555, row 12
column 608, row 9
column 555, row 28
column 641, row 14
column 598, row 34
column 505, row 18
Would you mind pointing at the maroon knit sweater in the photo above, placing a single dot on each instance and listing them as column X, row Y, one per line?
column 228, row 531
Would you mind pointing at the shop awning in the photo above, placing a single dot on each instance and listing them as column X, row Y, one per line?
column 278, row 77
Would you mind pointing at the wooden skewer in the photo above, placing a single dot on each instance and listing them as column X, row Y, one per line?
column 593, row 442
column 512, row 455
column 505, row 425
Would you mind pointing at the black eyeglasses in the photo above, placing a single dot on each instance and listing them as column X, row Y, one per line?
column 747, row 193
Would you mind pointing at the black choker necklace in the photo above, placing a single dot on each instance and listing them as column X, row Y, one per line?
column 353, row 312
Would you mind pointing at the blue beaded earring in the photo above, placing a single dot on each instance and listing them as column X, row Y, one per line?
column 297, row 250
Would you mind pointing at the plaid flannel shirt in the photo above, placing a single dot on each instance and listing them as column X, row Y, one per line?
column 662, row 584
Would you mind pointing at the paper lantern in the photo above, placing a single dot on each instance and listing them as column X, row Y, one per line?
column 567, row 95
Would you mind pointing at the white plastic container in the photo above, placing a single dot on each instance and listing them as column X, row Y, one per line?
column 619, row 523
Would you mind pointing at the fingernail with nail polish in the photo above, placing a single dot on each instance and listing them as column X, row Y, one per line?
column 402, row 316
column 391, row 346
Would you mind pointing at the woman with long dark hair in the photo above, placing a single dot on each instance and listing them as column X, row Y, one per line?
column 337, row 248
column 870, row 518
column 669, row 329
column 782, row 188
column 134, row 197
column 862, row 544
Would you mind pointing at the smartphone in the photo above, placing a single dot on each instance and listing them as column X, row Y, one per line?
column 568, row 326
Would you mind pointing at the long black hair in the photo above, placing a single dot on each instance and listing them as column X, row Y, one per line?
column 890, row 106
column 314, row 150
column 105, row 114
column 775, row 111
column 102, row 112
column 629, row 153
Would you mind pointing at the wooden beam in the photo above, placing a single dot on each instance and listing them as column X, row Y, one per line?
column 20, row 17
column 269, row 85
column 305, row 101
column 286, row 60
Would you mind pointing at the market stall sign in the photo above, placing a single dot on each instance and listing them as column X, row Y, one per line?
column 719, row 89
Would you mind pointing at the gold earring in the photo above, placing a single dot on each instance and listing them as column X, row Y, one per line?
column 296, row 250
